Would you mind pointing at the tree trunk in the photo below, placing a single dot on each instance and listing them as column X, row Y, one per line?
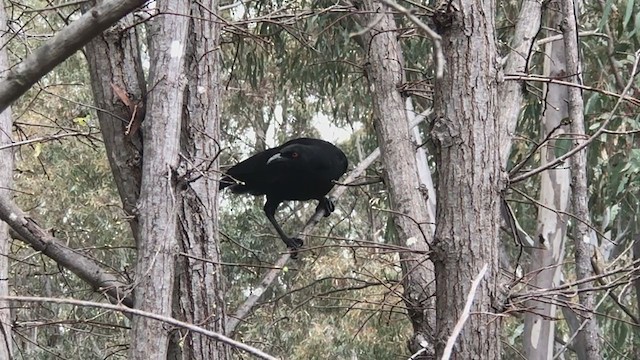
column 117, row 77
column 544, row 267
column 384, row 71
column 511, row 92
column 158, row 245
column 119, row 89
column 6, row 181
column 584, row 246
column 199, row 282
column 470, row 180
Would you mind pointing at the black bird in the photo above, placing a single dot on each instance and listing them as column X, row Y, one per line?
column 300, row 169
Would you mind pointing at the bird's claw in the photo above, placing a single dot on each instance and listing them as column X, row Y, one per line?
column 297, row 242
column 328, row 206
column 293, row 245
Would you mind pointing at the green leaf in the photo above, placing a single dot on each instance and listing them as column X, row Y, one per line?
column 636, row 25
column 82, row 121
column 605, row 14
column 562, row 146
column 634, row 160
column 628, row 13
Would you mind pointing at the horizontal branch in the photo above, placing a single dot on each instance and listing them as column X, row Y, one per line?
column 548, row 80
column 46, row 139
column 621, row 97
column 165, row 319
column 39, row 239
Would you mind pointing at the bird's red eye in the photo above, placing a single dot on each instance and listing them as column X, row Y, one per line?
column 294, row 155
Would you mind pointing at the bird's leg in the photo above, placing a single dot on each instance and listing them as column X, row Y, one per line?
column 292, row 243
column 327, row 205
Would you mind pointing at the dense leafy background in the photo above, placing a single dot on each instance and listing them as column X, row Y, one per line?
column 285, row 77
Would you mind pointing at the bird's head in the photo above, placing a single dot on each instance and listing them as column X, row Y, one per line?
column 287, row 154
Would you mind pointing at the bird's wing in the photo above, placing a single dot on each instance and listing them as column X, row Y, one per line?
column 248, row 168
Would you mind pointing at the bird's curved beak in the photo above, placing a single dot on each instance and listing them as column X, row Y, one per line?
column 275, row 157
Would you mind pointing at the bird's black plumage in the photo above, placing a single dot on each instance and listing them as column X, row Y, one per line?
column 300, row 169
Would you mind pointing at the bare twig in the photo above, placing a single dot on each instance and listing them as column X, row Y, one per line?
column 549, row 39
column 446, row 354
column 582, row 325
column 435, row 37
column 165, row 319
column 548, row 80
column 598, row 132
column 246, row 307
column 46, row 139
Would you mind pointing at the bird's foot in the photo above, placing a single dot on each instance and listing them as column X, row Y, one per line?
column 328, row 206
column 293, row 244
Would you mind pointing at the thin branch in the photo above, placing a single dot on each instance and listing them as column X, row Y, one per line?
column 54, row 7
column 584, row 323
column 243, row 310
column 446, row 354
column 598, row 132
column 165, row 319
column 549, row 39
column 531, row 154
column 435, row 37
column 612, row 294
column 85, row 268
column 46, row 139
column 548, row 80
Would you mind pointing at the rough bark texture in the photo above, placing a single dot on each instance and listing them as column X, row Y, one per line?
column 158, row 246
column 115, row 67
column 466, row 133
column 6, row 180
column 65, row 42
column 580, row 196
column 199, row 283
column 384, row 71
column 544, row 266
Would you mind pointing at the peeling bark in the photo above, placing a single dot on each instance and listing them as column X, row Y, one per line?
column 115, row 65
column 544, row 267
